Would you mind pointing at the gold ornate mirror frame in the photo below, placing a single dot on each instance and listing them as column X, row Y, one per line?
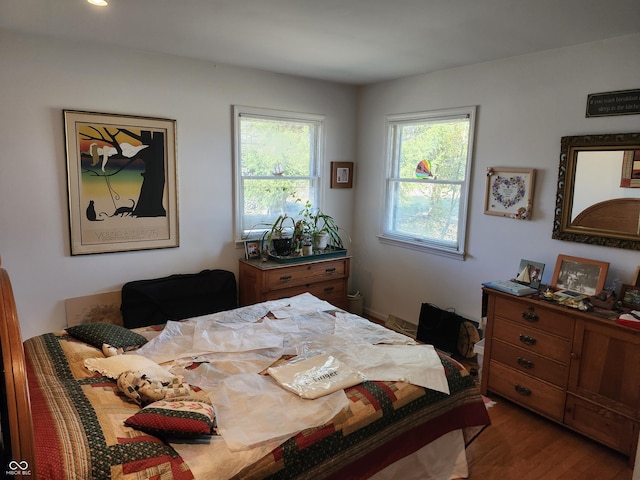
column 598, row 198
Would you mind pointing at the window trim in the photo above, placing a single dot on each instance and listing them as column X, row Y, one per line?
column 271, row 114
column 390, row 237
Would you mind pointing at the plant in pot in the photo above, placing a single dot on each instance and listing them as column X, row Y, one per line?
column 322, row 228
column 314, row 231
column 303, row 237
column 277, row 237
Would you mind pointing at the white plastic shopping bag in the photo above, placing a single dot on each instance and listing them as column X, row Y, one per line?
column 315, row 376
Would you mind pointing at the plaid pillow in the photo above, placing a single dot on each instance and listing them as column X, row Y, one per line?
column 186, row 417
column 97, row 334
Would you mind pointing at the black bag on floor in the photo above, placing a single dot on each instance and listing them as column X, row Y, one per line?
column 440, row 328
column 155, row 301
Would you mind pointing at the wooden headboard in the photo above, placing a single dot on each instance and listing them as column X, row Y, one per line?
column 617, row 215
column 18, row 443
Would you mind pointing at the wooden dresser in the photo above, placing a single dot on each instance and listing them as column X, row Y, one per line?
column 578, row 369
column 326, row 279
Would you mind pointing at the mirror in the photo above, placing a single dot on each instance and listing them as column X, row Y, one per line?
column 598, row 199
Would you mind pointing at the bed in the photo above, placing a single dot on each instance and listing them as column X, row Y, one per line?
column 70, row 410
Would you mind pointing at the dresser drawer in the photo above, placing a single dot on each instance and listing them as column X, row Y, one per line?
column 530, row 363
column 526, row 390
column 278, row 278
column 535, row 316
column 600, row 423
column 532, row 340
column 332, row 291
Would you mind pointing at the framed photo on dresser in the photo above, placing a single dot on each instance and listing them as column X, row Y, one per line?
column 580, row 275
column 630, row 297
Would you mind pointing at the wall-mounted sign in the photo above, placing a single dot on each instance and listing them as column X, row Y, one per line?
column 623, row 102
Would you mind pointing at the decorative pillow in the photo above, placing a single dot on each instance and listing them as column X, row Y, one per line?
column 112, row 367
column 185, row 417
column 97, row 334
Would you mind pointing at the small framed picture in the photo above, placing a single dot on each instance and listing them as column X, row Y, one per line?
column 580, row 275
column 510, row 192
column 530, row 273
column 251, row 249
column 630, row 297
column 341, row 174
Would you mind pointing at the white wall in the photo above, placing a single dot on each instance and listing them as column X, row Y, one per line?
column 40, row 77
column 525, row 105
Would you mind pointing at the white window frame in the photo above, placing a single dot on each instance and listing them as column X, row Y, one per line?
column 392, row 237
column 317, row 160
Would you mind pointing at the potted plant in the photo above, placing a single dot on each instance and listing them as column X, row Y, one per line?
column 277, row 237
column 320, row 227
column 313, row 231
column 303, row 237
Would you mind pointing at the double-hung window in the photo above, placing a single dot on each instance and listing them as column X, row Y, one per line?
column 277, row 160
column 427, row 182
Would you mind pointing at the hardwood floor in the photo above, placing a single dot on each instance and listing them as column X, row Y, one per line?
column 524, row 446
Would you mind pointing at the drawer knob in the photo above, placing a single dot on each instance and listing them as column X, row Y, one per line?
column 285, row 278
column 524, row 363
column 529, row 315
column 526, row 339
column 330, row 271
column 329, row 289
column 522, row 390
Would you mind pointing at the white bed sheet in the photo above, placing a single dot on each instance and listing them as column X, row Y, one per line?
column 443, row 459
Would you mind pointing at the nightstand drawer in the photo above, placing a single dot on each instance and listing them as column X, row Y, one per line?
column 526, row 390
column 530, row 363
column 532, row 340
column 333, row 291
column 278, row 278
column 534, row 316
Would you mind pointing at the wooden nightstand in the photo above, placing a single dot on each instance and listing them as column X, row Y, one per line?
column 326, row 279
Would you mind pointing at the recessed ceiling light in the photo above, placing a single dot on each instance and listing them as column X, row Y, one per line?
column 99, row 3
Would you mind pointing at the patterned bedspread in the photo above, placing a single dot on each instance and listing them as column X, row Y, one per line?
column 79, row 432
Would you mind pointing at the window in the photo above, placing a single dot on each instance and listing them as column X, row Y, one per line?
column 427, row 185
column 277, row 157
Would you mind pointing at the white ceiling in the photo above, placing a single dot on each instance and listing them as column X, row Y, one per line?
column 349, row 41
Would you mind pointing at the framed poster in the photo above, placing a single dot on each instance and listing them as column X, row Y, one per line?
column 121, row 173
column 509, row 192
column 579, row 275
column 341, row 174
